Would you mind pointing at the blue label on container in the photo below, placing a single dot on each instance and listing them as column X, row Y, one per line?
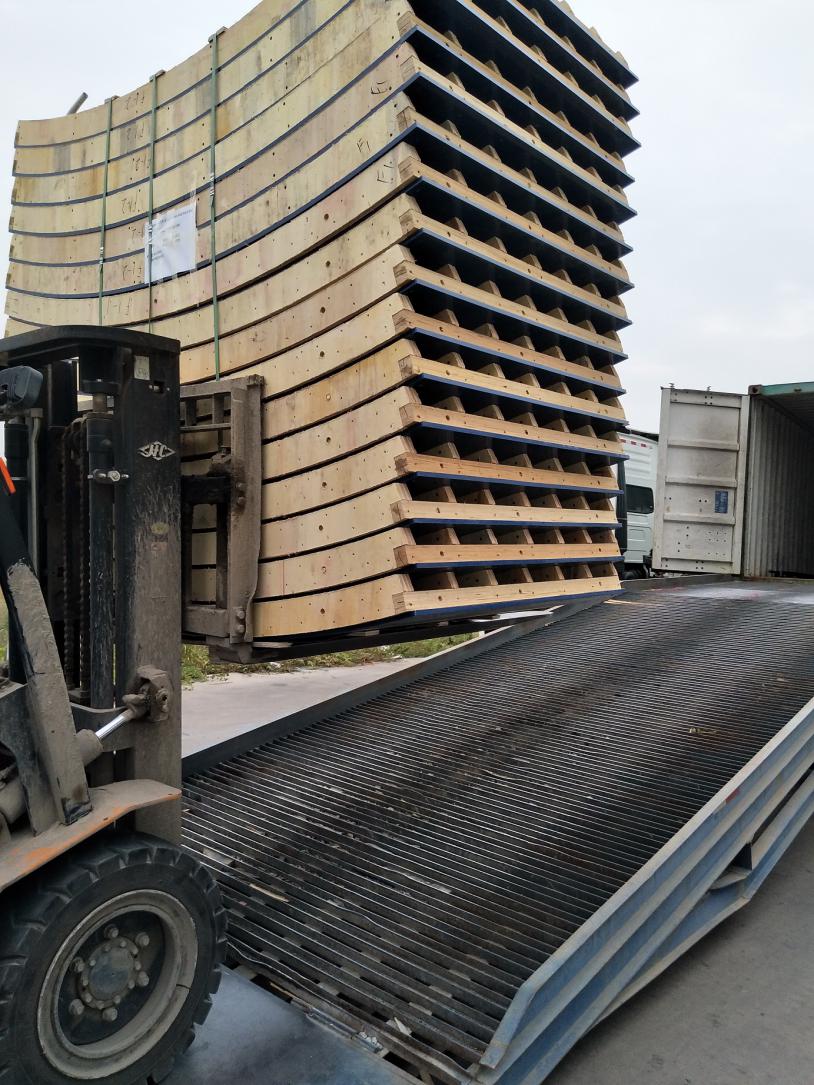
column 722, row 501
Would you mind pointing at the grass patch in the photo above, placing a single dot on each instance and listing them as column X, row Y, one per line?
column 196, row 665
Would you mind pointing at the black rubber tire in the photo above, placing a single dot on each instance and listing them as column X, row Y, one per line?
column 40, row 914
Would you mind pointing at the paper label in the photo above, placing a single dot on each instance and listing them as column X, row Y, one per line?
column 174, row 241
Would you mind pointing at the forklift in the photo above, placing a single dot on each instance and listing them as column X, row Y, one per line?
column 112, row 936
column 502, row 793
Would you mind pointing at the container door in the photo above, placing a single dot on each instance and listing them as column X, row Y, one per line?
column 700, row 490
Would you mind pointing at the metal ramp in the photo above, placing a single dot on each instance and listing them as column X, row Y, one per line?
column 473, row 868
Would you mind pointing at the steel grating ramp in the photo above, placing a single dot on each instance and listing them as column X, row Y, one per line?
column 407, row 865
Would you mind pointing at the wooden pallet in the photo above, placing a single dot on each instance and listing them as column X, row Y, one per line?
column 409, row 225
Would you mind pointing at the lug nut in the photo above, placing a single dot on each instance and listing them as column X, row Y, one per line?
column 123, row 943
column 142, row 940
column 78, row 965
column 117, row 1000
column 142, row 979
column 131, row 984
column 84, row 981
column 87, row 998
column 76, row 1008
column 110, row 1015
column 93, row 962
column 111, row 932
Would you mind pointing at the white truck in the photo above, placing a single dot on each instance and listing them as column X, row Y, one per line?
column 640, row 473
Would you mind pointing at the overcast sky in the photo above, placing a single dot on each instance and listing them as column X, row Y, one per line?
column 725, row 232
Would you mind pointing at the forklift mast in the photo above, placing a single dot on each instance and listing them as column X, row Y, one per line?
column 113, row 936
column 92, row 444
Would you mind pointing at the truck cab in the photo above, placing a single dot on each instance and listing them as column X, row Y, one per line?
column 640, row 488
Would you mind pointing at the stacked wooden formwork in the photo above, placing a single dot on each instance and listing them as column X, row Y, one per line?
column 414, row 211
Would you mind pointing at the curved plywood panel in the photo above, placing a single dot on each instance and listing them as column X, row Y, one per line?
column 407, row 222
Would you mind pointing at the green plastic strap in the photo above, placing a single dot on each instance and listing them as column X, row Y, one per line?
column 103, row 226
column 213, row 233
column 151, row 195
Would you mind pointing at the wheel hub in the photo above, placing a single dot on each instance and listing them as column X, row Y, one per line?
column 114, row 970
column 107, row 979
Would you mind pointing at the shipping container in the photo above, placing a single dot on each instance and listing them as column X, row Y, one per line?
column 735, row 489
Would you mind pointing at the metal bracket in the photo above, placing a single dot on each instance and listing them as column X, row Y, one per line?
column 221, row 428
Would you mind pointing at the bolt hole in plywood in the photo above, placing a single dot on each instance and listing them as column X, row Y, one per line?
column 418, row 247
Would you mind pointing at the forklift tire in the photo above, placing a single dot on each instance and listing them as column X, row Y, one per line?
column 109, row 957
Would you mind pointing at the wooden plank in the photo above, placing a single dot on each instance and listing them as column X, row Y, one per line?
column 535, row 31
column 264, row 251
column 329, row 308
column 604, row 119
column 241, row 40
column 529, row 272
column 270, row 105
column 411, row 273
column 284, row 368
column 341, row 391
column 409, row 322
column 337, row 481
column 21, row 300
column 493, row 556
column 393, row 550
column 508, row 595
column 360, row 290
column 318, row 29
column 250, row 28
column 274, row 98
column 512, row 178
column 432, row 512
column 523, row 224
column 397, row 411
column 361, row 559
column 398, row 364
column 247, row 285
column 378, row 600
column 183, row 306
column 570, row 169
column 363, row 515
column 356, row 429
column 265, row 141
column 374, row 601
column 253, row 215
column 509, row 389
column 413, row 463
column 362, row 193
column 247, row 182
column 332, row 232
column 416, row 414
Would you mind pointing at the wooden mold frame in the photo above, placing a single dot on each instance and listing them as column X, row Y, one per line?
column 418, row 253
column 30, row 260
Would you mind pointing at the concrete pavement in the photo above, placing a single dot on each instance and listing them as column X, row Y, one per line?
column 738, row 1009
column 219, row 709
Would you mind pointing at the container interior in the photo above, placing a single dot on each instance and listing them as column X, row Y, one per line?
column 779, row 517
